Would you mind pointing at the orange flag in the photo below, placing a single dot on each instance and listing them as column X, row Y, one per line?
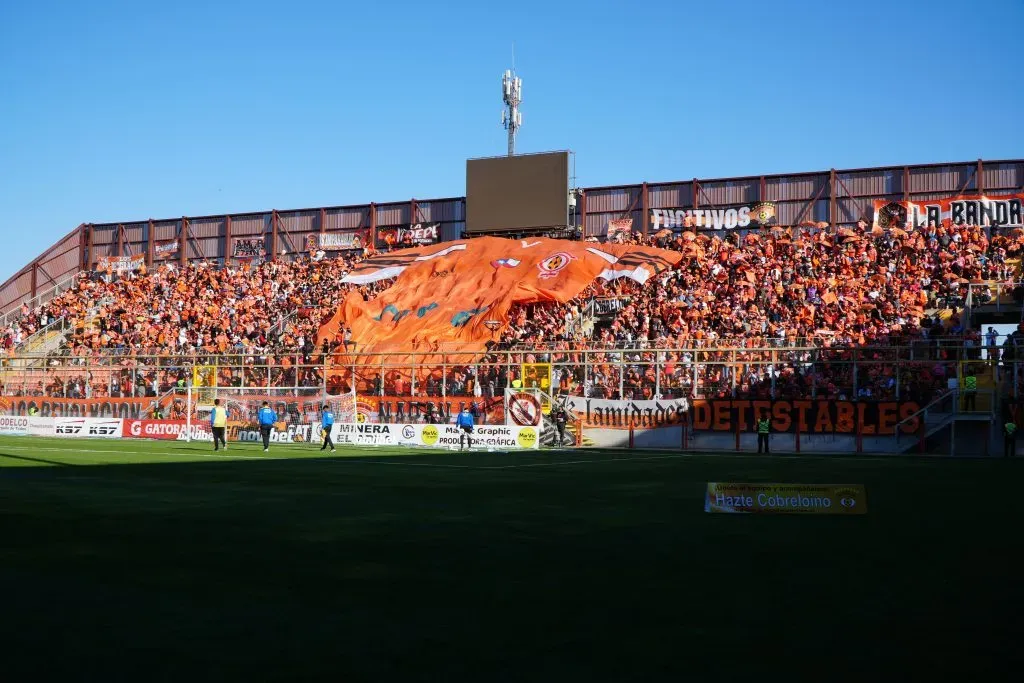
column 456, row 296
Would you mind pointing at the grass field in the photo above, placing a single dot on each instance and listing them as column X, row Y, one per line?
column 155, row 561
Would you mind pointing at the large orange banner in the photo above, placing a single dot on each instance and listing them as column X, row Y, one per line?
column 456, row 296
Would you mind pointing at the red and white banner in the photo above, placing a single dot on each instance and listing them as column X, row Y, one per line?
column 170, row 430
column 1003, row 211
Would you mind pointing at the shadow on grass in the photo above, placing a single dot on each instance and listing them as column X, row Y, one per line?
column 39, row 460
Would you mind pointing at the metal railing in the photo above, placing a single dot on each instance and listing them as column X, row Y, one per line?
column 61, row 325
column 1000, row 295
column 884, row 373
column 39, row 299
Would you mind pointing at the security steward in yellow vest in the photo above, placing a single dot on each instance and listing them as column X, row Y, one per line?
column 218, row 424
column 764, row 428
column 1009, row 439
column 970, row 392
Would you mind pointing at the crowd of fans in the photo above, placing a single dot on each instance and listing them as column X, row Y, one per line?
column 810, row 293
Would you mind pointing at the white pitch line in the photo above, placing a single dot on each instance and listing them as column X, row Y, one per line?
column 97, row 450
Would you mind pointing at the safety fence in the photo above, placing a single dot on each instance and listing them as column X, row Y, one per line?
column 913, row 372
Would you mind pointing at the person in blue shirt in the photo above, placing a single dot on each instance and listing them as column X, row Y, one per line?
column 326, row 424
column 267, row 417
column 464, row 420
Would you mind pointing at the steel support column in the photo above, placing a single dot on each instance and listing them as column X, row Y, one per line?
column 90, row 251
column 833, row 214
column 183, row 242
column 644, row 206
column 273, row 234
column 227, row 239
column 583, row 213
column 373, row 226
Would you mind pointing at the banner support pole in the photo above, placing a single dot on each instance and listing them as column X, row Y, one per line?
column 188, row 413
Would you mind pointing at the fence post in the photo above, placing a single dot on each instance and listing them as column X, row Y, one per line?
column 622, row 375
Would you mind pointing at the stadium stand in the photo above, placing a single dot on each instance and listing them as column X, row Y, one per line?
column 811, row 293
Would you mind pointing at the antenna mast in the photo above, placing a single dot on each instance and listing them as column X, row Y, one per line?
column 512, row 95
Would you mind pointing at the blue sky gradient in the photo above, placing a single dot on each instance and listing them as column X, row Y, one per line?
column 125, row 110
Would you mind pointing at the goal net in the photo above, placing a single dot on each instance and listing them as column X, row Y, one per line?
column 298, row 412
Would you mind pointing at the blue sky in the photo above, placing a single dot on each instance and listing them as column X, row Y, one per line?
column 129, row 110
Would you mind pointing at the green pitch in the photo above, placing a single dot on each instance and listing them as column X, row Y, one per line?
column 146, row 561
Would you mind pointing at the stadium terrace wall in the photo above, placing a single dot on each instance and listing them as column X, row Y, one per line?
column 840, row 197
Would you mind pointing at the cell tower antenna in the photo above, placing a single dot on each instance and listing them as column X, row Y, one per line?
column 512, row 96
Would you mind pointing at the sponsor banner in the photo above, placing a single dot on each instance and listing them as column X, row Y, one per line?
column 40, row 426
column 868, row 418
column 133, row 408
column 84, row 427
column 435, row 436
column 179, row 430
column 732, row 498
column 120, row 264
column 759, row 215
column 165, row 250
column 13, row 425
column 980, row 210
column 280, row 433
column 334, row 241
column 169, row 430
column 484, row 436
column 248, row 247
column 369, row 434
column 615, row 414
column 619, row 229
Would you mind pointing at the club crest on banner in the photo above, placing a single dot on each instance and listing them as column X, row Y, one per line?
column 554, row 264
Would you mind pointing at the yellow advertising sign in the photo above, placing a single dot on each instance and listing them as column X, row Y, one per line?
column 204, row 383
column 538, row 376
column 733, row 498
